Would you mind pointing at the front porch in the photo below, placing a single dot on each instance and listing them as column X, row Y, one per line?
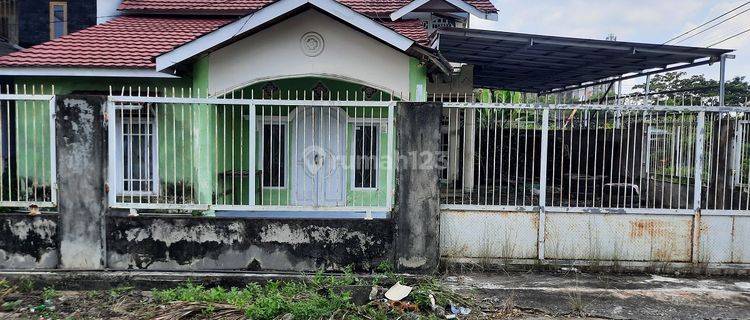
column 269, row 146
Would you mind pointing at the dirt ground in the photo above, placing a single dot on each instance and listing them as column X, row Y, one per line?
column 571, row 293
column 500, row 295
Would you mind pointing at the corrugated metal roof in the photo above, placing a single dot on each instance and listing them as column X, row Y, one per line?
column 539, row 63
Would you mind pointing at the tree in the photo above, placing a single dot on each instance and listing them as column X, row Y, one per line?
column 678, row 88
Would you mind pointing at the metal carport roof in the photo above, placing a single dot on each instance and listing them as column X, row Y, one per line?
column 539, row 63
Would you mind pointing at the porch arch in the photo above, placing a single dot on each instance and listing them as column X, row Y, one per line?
column 403, row 96
column 307, row 82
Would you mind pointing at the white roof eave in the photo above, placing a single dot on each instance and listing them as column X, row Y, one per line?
column 83, row 72
column 462, row 5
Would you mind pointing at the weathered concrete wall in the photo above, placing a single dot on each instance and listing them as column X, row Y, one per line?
column 204, row 243
column 81, row 154
column 417, row 191
column 28, row 242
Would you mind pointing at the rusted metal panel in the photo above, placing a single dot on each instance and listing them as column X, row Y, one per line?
column 482, row 234
column 622, row 237
column 724, row 239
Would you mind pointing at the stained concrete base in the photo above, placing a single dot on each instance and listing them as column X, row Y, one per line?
column 569, row 293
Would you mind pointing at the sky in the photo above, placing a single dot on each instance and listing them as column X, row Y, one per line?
column 651, row 21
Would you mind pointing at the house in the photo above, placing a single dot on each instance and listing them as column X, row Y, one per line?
column 266, row 49
column 29, row 23
column 288, row 120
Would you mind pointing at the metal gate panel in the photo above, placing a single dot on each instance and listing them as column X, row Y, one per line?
column 483, row 234
column 723, row 239
column 620, row 237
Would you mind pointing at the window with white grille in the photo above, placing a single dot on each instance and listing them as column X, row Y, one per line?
column 365, row 151
column 137, row 172
column 274, row 154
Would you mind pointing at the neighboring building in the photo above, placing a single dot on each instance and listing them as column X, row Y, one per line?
column 28, row 23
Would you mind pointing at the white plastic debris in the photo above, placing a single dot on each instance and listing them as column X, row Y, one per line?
column 133, row 213
column 373, row 293
column 432, row 302
column 460, row 310
column 398, row 292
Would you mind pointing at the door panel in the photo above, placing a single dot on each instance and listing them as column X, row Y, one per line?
column 319, row 156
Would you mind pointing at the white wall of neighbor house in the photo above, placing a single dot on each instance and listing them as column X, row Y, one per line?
column 276, row 52
column 106, row 10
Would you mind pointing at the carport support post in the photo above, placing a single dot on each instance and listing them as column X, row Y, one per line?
column 468, row 152
column 700, row 133
column 722, row 78
column 543, row 183
column 417, row 213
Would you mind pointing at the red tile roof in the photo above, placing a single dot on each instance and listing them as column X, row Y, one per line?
column 412, row 29
column 125, row 42
column 219, row 6
column 134, row 42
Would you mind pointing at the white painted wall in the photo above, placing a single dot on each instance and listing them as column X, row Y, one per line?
column 275, row 53
column 106, row 10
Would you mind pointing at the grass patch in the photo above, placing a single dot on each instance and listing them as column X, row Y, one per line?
column 322, row 297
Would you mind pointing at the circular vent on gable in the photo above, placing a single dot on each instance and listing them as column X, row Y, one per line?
column 312, row 44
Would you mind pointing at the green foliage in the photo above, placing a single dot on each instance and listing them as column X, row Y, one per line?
column 274, row 299
column 120, row 290
column 11, row 305
column 25, row 284
column 49, row 293
column 323, row 297
column 386, row 274
column 498, row 96
column 704, row 90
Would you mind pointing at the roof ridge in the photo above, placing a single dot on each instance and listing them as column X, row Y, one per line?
column 241, row 7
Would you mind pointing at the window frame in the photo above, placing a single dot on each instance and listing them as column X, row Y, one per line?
column 274, row 121
column 120, row 149
column 52, row 22
column 374, row 122
column 675, row 154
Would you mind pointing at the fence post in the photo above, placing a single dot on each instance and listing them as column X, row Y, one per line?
column 251, row 155
column 700, row 132
column 53, row 147
column 389, row 192
column 111, row 124
column 543, row 183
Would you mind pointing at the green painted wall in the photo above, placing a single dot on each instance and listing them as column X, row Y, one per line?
column 417, row 81
column 32, row 127
column 202, row 149
column 33, row 163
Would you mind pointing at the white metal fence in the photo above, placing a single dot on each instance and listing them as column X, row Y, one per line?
column 27, row 135
column 595, row 182
column 287, row 152
column 627, row 158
